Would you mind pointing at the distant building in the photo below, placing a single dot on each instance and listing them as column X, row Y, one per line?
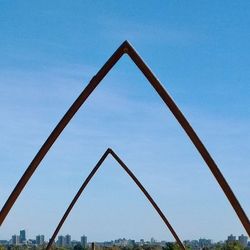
column 231, row 238
column 15, row 239
column 131, row 242
column 194, row 244
column 122, row 242
column 40, row 240
column 31, row 242
column 84, row 241
column 243, row 240
column 60, row 241
column 152, row 240
column 205, row 243
column 4, row 242
column 75, row 243
column 22, row 236
column 67, row 240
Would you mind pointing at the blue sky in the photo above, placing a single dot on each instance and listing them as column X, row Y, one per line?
column 200, row 52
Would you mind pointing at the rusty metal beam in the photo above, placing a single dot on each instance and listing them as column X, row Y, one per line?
column 58, row 129
column 192, row 135
column 127, row 48
column 137, row 182
column 71, row 205
column 150, row 199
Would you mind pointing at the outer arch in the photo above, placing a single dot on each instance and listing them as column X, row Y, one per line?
column 94, row 82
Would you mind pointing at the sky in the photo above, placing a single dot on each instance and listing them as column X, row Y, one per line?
column 199, row 50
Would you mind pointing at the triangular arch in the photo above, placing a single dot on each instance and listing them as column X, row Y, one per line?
column 126, row 48
column 137, row 182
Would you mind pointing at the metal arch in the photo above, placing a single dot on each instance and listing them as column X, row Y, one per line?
column 94, row 82
column 137, row 182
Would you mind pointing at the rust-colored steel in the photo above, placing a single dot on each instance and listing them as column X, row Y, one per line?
column 127, row 48
column 58, row 129
column 137, row 182
column 85, row 183
column 192, row 135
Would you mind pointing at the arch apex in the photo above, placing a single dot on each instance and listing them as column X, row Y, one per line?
column 126, row 45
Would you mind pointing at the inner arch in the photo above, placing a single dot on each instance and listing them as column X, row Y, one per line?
column 137, row 182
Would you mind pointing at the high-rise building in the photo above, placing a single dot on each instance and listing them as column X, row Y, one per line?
column 205, row 243
column 15, row 239
column 243, row 240
column 60, row 241
column 22, row 236
column 152, row 240
column 68, row 240
column 84, row 241
column 40, row 240
column 141, row 242
column 231, row 238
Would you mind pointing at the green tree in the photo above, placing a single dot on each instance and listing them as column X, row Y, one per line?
column 232, row 246
column 78, row 247
column 171, row 246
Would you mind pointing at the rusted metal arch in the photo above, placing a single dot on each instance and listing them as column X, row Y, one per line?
column 137, row 182
column 126, row 48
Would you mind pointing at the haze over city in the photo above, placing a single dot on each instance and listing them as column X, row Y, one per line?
column 200, row 53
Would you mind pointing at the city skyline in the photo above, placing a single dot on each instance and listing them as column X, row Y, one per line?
column 39, row 80
column 66, row 240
